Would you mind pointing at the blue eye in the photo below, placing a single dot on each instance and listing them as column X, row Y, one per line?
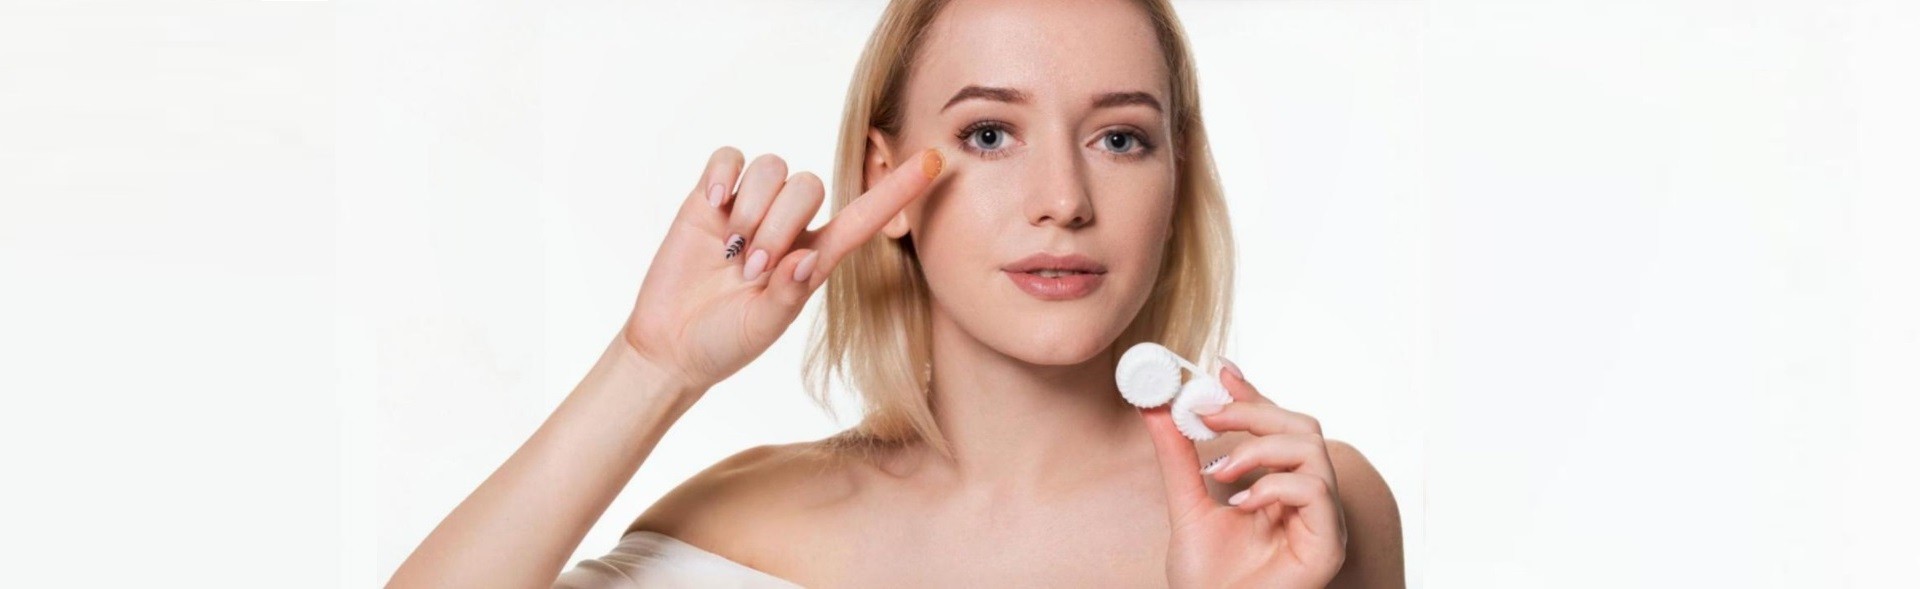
column 1126, row 144
column 987, row 139
column 984, row 136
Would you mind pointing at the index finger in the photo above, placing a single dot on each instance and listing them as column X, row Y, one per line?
column 862, row 218
column 1179, row 465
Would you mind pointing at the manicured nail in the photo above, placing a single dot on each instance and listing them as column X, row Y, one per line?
column 1232, row 369
column 932, row 164
column 734, row 244
column 756, row 263
column 715, row 193
column 1214, row 465
column 1239, row 497
column 804, row 270
column 1208, row 409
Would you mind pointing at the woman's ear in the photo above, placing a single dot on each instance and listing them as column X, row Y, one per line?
column 878, row 164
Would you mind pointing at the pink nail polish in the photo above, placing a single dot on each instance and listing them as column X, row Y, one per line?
column 804, row 270
column 1239, row 497
column 715, row 193
column 756, row 263
column 1232, row 368
column 1208, row 409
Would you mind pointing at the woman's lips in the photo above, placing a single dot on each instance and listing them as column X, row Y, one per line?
column 1056, row 277
column 1064, row 287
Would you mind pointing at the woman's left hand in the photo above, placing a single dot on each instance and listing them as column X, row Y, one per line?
column 1286, row 530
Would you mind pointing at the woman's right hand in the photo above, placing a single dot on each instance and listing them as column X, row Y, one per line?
column 736, row 267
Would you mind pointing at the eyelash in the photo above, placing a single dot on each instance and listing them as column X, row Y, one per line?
column 965, row 135
column 1146, row 146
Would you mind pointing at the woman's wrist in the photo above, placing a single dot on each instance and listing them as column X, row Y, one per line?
column 629, row 372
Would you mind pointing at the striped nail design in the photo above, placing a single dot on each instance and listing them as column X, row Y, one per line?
column 1213, row 465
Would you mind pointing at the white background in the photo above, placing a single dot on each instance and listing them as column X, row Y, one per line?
column 1613, row 293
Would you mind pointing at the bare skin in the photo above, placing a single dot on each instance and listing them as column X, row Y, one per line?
column 1055, row 481
column 519, row 527
column 867, row 526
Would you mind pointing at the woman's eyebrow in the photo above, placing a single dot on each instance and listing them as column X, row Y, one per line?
column 1112, row 99
column 986, row 93
column 1015, row 96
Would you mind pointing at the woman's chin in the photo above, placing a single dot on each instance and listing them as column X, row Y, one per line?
column 1056, row 341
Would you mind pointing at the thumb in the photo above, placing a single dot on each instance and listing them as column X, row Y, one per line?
column 1179, row 464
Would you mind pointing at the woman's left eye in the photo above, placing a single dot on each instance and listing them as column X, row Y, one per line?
column 1124, row 143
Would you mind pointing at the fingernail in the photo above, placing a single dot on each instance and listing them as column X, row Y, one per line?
column 1232, row 368
column 1239, row 497
column 755, row 264
column 734, row 244
column 932, row 164
column 1214, row 465
column 1208, row 409
column 804, row 270
column 715, row 193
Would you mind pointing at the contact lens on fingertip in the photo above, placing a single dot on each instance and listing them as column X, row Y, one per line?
column 1148, row 375
column 1201, row 390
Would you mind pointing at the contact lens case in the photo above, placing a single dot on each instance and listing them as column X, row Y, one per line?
column 1148, row 376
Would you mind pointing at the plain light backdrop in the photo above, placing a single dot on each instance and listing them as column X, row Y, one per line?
column 1612, row 293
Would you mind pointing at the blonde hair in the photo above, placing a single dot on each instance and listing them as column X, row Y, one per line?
column 875, row 328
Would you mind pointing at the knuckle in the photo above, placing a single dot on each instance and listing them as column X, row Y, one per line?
column 1270, row 484
column 1308, row 444
column 1320, row 487
column 1311, row 423
column 804, row 178
column 769, row 161
column 788, row 292
column 1314, row 440
column 807, row 184
column 1270, row 444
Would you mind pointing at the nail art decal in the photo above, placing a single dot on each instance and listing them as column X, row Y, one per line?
column 735, row 244
column 1212, row 464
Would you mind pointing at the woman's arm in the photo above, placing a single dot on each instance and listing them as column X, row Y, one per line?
column 734, row 271
column 520, row 526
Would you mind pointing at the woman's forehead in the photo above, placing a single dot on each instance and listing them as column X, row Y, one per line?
column 1052, row 50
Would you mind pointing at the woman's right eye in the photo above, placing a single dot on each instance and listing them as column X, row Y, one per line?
column 987, row 138
column 984, row 137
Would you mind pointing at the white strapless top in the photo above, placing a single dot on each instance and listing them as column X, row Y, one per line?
column 646, row 559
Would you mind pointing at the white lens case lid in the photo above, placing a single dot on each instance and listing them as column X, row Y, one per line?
column 1201, row 390
column 1148, row 376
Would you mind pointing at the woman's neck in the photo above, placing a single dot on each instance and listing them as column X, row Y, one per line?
column 1015, row 426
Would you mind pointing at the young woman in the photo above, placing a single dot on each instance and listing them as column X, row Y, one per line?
column 1023, row 191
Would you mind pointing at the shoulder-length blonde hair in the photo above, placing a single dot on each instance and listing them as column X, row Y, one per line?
column 874, row 330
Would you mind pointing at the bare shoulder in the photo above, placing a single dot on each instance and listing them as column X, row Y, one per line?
column 1357, row 478
column 1374, row 551
column 742, row 505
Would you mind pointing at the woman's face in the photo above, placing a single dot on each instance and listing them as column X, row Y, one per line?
column 1052, row 117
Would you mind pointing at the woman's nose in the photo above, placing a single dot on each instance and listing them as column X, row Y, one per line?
column 1059, row 193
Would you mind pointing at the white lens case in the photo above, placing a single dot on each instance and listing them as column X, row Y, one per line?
column 1149, row 376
